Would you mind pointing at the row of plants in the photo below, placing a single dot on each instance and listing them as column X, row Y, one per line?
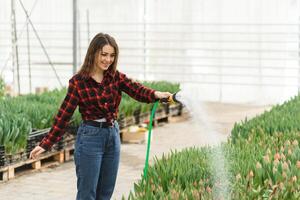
column 21, row 116
column 264, row 154
column 178, row 175
column 265, row 166
column 128, row 105
column 281, row 118
column 262, row 161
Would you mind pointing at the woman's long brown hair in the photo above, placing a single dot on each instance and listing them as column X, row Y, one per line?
column 96, row 45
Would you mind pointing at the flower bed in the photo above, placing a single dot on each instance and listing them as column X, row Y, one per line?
column 262, row 161
column 179, row 175
column 265, row 166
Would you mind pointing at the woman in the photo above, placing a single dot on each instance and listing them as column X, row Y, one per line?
column 96, row 89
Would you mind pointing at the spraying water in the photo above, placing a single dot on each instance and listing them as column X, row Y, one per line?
column 191, row 99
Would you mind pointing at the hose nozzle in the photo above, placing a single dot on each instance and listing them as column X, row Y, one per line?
column 171, row 99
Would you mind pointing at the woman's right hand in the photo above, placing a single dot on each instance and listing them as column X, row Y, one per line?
column 36, row 152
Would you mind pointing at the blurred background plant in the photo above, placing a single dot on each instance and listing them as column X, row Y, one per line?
column 2, row 88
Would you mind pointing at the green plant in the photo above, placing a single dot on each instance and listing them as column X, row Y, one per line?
column 129, row 105
column 19, row 115
column 265, row 165
column 281, row 118
column 2, row 87
column 14, row 131
column 262, row 157
column 179, row 175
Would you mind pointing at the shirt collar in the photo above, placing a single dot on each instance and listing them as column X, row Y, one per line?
column 110, row 73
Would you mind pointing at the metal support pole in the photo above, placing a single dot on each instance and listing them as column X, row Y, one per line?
column 299, row 55
column 28, row 56
column 88, row 25
column 79, row 41
column 15, row 54
column 41, row 43
column 74, row 36
column 144, row 37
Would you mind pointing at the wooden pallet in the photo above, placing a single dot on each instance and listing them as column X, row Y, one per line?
column 160, row 113
column 69, row 152
column 160, row 121
column 144, row 117
column 128, row 121
column 141, row 141
column 57, row 157
column 46, row 160
column 179, row 118
column 133, row 138
column 175, row 109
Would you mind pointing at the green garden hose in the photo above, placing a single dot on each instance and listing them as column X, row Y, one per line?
column 171, row 99
column 149, row 140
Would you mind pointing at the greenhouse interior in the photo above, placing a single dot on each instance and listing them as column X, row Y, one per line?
column 141, row 99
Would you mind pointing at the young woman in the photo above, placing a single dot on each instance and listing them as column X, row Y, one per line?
column 97, row 90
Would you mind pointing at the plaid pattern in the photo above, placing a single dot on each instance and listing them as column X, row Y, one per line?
column 95, row 101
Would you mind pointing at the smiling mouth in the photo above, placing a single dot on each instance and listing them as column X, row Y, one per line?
column 105, row 65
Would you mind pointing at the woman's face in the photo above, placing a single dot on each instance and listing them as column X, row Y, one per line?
column 105, row 57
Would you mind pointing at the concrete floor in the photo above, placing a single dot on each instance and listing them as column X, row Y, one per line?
column 60, row 182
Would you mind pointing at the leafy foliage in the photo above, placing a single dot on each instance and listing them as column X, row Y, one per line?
column 19, row 115
column 2, row 88
column 262, row 159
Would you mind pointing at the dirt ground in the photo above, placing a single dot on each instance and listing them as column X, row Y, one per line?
column 60, row 182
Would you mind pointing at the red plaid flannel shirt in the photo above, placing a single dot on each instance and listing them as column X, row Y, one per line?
column 95, row 101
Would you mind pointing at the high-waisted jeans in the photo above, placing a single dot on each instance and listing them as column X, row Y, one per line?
column 97, row 153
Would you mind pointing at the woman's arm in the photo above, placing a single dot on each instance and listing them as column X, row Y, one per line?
column 138, row 91
column 62, row 118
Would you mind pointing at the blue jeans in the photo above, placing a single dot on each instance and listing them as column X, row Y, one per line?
column 96, row 156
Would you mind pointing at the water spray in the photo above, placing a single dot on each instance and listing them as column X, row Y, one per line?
column 192, row 102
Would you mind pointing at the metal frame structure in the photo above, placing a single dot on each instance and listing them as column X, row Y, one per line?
column 203, row 53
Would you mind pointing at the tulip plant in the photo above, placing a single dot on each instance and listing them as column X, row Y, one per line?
column 265, row 166
column 179, row 175
column 262, row 160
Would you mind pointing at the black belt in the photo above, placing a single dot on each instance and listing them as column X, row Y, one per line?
column 98, row 124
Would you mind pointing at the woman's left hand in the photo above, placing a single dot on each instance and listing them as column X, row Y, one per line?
column 162, row 95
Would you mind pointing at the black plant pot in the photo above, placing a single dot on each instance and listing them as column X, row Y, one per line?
column 72, row 129
column 121, row 121
column 180, row 109
column 2, row 150
column 136, row 115
column 60, row 145
column 166, row 108
column 2, row 159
